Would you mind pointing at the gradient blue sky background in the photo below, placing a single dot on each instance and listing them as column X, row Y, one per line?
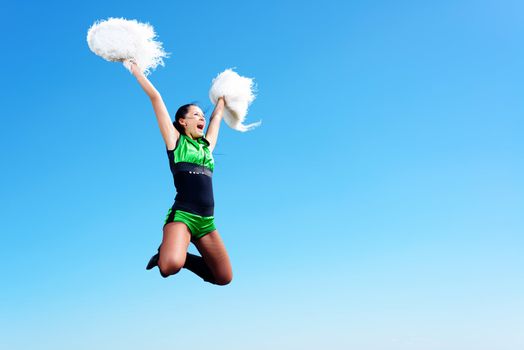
column 379, row 206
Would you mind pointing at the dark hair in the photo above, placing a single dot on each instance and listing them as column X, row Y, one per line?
column 181, row 113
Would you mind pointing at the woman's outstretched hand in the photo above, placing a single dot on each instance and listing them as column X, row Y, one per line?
column 131, row 64
column 135, row 69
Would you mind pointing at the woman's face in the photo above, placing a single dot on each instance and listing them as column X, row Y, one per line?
column 194, row 122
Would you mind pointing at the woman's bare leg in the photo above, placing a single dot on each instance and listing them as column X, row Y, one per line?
column 212, row 249
column 173, row 249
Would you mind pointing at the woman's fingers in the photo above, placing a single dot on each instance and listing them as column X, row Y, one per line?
column 131, row 65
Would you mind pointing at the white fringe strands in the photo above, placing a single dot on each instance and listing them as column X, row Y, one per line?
column 238, row 93
column 118, row 39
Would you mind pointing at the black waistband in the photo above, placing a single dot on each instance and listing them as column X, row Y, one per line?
column 193, row 208
column 193, row 168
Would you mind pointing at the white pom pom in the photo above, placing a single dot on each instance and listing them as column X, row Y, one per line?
column 118, row 39
column 238, row 93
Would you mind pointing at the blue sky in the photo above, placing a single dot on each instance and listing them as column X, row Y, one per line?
column 378, row 206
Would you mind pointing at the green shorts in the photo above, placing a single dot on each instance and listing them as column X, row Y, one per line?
column 198, row 225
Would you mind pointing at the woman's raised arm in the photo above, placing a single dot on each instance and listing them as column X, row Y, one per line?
column 168, row 131
column 214, row 124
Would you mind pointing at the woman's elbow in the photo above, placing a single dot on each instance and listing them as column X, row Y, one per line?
column 154, row 96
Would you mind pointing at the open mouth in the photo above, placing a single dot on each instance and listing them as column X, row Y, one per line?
column 200, row 127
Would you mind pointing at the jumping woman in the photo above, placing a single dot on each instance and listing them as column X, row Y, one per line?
column 190, row 219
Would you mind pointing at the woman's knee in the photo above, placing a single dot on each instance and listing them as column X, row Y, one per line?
column 170, row 265
column 224, row 278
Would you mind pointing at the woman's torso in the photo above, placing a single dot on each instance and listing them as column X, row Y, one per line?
column 192, row 165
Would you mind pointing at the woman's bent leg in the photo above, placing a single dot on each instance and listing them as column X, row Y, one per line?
column 173, row 249
column 214, row 253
